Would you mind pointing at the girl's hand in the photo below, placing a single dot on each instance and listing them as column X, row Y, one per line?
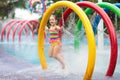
column 46, row 29
column 60, row 28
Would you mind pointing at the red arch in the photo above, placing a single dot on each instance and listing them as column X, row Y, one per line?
column 10, row 24
column 110, row 28
column 4, row 28
column 13, row 25
column 16, row 27
column 32, row 3
column 10, row 27
column 28, row 23
column 33, row 22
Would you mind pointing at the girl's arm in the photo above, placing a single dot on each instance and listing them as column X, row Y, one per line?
column 59, row 28
column 46, row 29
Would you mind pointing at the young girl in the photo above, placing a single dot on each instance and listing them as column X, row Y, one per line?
column 55, row 43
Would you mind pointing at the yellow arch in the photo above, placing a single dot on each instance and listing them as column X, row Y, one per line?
column 89, row 34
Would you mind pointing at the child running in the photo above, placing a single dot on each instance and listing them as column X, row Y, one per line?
column 55, row 43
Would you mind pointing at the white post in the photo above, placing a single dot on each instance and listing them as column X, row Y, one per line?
column 100, row 34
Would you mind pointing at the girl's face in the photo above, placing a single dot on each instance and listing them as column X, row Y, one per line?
column 52, row 20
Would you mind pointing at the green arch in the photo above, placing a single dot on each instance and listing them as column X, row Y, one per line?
column 88, row 11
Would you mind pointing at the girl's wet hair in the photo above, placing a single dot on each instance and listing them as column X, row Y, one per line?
column 54, row 16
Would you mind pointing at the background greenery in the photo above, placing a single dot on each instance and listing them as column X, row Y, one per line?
column 7, row 7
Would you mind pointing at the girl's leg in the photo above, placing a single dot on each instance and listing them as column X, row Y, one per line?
column 61, row 60
column 58, row 56
column 51, row 51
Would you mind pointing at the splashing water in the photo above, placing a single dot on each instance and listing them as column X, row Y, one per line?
column 76, row 62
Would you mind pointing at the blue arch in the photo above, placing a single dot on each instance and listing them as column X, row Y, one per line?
column 97, row 19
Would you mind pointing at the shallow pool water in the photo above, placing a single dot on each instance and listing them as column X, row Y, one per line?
column 76, row 62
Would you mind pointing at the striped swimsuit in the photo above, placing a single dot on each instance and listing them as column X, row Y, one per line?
column 54, row 38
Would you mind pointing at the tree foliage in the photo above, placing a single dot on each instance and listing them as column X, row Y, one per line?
column 8, row 6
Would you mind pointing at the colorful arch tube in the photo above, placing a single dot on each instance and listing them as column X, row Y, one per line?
column 15, row 29
column 112, row 35
column 7, row 25
column 28, row 23
column 89, row 33
column 35, row 1
column 79, row 24
column 31, row 3
column 29, row 6
column 18, row 23
column 10, row 25
column 4, row 28
column 21, row 24
column 107, row 9
column 15, row 23
column 43, row 6
column 110, row 27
